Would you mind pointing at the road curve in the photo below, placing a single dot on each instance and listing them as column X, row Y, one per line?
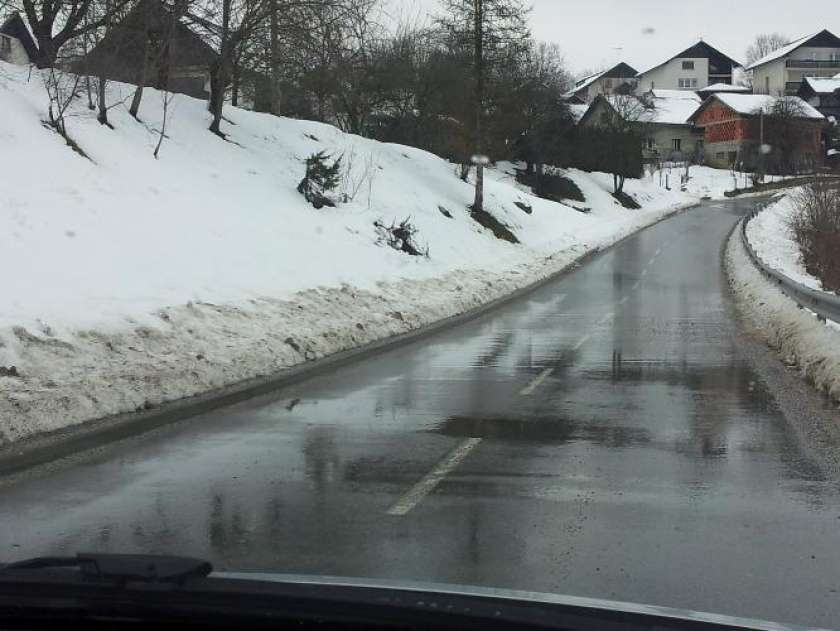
column 605, row 436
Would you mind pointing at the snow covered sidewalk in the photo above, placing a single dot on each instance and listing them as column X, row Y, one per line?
column 131, row 281
column 799, row 337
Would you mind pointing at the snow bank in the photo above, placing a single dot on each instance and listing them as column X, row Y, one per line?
column 129, row 281
column 795, row 333
column 770, row 235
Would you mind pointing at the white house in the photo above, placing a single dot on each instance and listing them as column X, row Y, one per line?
column 781, row 72
column 620, row 77
column 694, row 68
column 16, row 44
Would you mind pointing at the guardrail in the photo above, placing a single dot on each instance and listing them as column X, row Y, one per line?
column 825, row 305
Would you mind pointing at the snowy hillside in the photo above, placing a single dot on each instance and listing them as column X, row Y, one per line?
column 128, row 281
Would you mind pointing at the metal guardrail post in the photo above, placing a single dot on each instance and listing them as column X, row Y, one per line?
column 825, row 305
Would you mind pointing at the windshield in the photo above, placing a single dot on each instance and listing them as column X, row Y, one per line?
column 538, row 296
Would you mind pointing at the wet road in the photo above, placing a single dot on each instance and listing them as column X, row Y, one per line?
column 603, row 437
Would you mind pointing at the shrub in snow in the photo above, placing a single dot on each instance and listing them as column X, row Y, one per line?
column 552, row 186
column 816, row 228
column 499, row 230
column 320, row 178
column 401, row 237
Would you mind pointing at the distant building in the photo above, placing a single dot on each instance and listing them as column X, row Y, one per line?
column 16, row 44
column 732, row 128
column 184, row 68
column 782, row 71
column 716, row 88
column 823, row 94
column 661, row 118
column 694, row 68
column 621, row 78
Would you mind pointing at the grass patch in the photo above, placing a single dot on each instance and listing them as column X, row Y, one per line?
column 499, row 230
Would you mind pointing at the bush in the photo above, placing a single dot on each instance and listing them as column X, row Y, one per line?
column 551, row 186
column 499, row 230
column 816, row 228
column 320, row 178
column 400, row 237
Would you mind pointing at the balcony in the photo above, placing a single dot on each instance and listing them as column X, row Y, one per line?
column 812, row 63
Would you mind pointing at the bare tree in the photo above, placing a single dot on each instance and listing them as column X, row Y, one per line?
column 763, row 45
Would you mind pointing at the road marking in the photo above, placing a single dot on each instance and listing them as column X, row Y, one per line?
column 624, row 300
column 658, row 251
column 582, row 341
column 636, row 285
column 529, row 389
column 644, row 272
column 606, row 318
column 419, row 491
column 652, row 261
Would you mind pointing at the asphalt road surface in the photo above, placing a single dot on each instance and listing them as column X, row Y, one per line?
column 605, row 436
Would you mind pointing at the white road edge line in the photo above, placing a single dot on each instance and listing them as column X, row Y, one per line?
column 419, row 491
column 529, row 389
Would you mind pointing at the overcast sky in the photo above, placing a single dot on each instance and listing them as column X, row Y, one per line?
column 595, row 33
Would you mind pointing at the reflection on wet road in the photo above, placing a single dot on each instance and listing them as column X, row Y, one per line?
column 601, row 437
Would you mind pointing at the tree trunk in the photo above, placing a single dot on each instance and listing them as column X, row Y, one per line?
column 275, row 60
column 478, row 203
column 234, row 86
column 142, row 73
column 102, row 116
column 219, row 75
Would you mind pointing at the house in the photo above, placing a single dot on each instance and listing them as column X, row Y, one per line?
column 661, row 117
column 620, row 78
column 781, row 72
column 694, row 68
column 183, row 68
column 16, row 43
column 736, row 126
column 715, row 88
column 823, row 94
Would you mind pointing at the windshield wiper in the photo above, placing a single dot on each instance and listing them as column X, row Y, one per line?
column 118, row 568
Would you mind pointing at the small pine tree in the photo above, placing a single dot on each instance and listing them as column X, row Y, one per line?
column 320, row 178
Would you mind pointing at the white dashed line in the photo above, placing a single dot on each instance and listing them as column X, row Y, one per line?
column 644, row 272
column 581, row 342
column 425, row 486
column 624, row 299
column 652, row 261
column 529, row 389
column 636, row 285
column 606, row 318
column 658, row 251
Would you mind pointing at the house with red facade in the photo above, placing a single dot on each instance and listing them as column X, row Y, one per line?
column 736, row 126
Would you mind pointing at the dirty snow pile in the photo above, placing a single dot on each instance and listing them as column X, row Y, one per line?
column 129, row 281
column 797, row 334
column 772, row 239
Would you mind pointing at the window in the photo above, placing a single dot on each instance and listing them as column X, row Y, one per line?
column 676, row 144
column 650, row 143
column 688, row 65
column 720, row 155
column 608, row 84
column 767, row 84
column 687, row 83
column 5, row 45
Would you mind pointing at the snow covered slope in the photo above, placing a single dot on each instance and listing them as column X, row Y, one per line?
column 771, row 238
column 128, row 281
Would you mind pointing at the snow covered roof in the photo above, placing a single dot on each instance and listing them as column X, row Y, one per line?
column 790, row 47
column 699, row 50
column 822, row 85
column 724, row 87
column 619, row 71
column 753, row 103
column 664, row 107
column 577, row 110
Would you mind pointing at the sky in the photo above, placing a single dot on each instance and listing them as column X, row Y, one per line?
column 598, row 33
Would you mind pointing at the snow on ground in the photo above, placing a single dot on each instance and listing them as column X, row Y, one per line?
column 795, row 333
column 129, row 281
column 771, row 238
